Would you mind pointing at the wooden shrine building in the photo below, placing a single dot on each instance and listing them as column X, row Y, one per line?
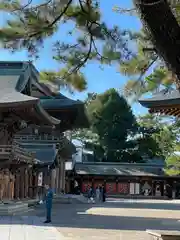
column 166, row 102
column 52, row 150
column 123, row 179
column 25, row 101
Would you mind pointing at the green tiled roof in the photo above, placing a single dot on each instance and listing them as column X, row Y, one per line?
column 67, row 110
column 16, row 76
column 163, row 98
column 114, row 169
column 45, row 153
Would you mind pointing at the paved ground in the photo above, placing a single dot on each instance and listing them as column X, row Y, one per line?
column 26, row 228
column 115, row 220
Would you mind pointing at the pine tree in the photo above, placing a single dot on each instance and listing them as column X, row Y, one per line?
column 146, row 60
column 29, row 25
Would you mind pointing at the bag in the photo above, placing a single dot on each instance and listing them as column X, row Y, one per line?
column 92, row 200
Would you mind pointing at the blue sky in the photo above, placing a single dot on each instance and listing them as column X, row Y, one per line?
column 98, row 80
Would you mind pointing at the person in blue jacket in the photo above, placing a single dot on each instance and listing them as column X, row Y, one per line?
column 48, row 201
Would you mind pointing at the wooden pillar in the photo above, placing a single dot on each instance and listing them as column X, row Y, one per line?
column 59, row 180
column 174, row 190
column 26, row 183
column 60, row 176
column 152, row 188
column 63, row 175
column 117, row 182
column 17, row 185
column 6, row 176
column 30, row 183
column 67, row 186
column 53, row 179
column 35, row 181
column 22, row 178
column 11, row 187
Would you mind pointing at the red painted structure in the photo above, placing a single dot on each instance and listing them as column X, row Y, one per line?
column 122, row 178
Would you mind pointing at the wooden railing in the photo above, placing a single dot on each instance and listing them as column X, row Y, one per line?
column 7, row 150
column 38, row 138
column 22, row 151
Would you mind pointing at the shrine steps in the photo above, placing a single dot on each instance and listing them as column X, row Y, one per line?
column 13, row 208
column 69, row 199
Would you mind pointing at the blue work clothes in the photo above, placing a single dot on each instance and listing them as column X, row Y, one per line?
column 48, row 201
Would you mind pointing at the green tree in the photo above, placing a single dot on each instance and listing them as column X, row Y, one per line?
column 162, row 137
column 173, row 165
column 90, row 141
column 115, row 136
column 28, row 26
column 112, row 120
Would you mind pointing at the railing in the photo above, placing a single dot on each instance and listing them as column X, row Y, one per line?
column 22, row 151
column 5, row 149
column 38, row 138
column 9, row 149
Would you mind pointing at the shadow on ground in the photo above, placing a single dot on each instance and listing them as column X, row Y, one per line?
column 76, row 216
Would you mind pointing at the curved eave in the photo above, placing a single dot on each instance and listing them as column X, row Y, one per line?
column 45, row 116
column 56, row 107
column 14, row 99
column 166, row 111
column 158, row 18
column 59, row 104
column 162, row 99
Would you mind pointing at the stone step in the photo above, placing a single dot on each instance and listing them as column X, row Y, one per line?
column 63, row 199
column 13, row 208
column 78, row 198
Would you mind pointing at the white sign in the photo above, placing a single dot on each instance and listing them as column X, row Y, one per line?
column 132, row 186
column 40, row 179
column 137, row 188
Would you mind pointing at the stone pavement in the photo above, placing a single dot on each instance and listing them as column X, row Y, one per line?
column 115, row 220
column 27, row 228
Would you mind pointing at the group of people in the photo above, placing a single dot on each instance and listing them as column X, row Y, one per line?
column 98, row 194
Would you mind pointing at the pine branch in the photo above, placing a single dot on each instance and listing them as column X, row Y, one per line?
column 58, row 18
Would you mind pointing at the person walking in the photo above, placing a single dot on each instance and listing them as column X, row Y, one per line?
column 48, row 200
column 91, row 195
column 98, row 194
column 103, row 194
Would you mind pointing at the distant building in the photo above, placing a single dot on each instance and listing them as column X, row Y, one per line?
column 126, row 179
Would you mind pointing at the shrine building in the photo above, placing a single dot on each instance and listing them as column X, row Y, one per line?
column 33, row 119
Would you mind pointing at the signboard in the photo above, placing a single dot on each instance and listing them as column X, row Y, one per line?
column 40, row 179
column 98, row 183
column 146, row 189
column 132, row 188
column 111, row 187
column 123, row 188
column 137, row 188
column 85, row 186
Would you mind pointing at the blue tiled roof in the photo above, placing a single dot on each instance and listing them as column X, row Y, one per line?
column 163, row 98
column 115, row 169
column 45, row 153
